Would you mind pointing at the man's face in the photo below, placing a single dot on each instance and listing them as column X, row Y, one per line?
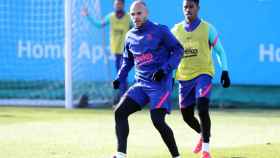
column 118, row 5
column 138, row 14
column 190, row 10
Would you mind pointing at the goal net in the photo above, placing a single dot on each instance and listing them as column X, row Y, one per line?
column 33, row 59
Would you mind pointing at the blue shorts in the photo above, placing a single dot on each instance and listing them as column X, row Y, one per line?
column 157, row 96
column 190, row 90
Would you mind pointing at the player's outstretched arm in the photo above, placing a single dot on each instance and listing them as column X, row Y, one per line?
column 97, row 23
column 221, row 55
column 127, row 65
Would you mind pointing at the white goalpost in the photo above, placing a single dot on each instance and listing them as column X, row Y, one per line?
column 68, row 56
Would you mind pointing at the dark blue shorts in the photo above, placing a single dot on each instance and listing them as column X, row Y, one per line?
column 157, row 96
column 190, row 90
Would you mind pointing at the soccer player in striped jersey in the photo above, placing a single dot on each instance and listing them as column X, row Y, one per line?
column 196, row 70
column 155, row 53
column 120, row 23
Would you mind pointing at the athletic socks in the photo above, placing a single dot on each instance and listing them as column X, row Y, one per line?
column 205, row 147
column 120, row 155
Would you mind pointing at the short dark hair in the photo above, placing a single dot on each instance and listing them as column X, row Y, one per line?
column 195, row 1
column 123, row 1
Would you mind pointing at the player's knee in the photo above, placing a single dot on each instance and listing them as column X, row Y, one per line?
column 203, row 106
column 120, row 114
column 157, row 117
column 126, row 107
column 188, row 113
column 121, row 110
column 159, row 124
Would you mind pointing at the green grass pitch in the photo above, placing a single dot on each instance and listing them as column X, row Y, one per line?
column 89, row 133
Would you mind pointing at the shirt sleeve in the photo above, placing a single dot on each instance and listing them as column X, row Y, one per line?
column 174, row 47
column 99, row 23
column 218, row 47
column 128, row 63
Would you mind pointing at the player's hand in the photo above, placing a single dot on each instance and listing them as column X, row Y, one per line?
column 173, row 82
column 84, row 12
column 225, row 81
column 158, row 75
column 116, row 84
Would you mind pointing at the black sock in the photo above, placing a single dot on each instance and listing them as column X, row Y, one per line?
column 190, row 119
column 158, row 118
column 205, row 122
column 126, row 107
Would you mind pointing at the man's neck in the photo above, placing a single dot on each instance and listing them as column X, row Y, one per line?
column 191, row 25
column 119, row 13
column 189, row 21
column 142, row 26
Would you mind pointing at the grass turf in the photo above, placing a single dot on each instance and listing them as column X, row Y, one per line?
column 89, row 133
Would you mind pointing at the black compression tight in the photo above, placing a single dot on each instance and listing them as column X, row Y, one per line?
column 203, row 112
column 190, row 119
column 205, row 122
column 158, row 118
column 126, row 107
